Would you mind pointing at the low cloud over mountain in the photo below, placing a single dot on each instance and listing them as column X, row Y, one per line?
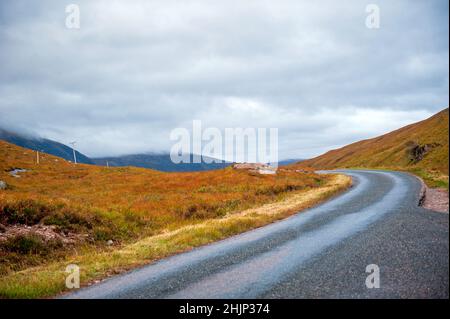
column 136, row 70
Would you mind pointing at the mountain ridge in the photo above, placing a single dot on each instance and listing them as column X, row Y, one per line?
column 43, row 145
column 160, row 162
column 421, row 147
column 156, row 161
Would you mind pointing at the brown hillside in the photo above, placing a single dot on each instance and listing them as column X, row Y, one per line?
column 419, row 146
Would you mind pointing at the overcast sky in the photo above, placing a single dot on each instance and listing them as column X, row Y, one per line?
column 135, row 70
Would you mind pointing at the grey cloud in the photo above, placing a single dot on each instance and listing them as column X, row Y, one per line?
column 137, row 69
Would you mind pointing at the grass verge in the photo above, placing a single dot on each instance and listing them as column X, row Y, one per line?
column 49, row 280
column 433, row 179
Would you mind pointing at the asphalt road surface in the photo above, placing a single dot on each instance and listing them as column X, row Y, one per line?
column 322, row 252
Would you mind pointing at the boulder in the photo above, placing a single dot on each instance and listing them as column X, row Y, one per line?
column 3, row 185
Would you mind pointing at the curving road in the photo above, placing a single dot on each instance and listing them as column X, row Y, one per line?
column 320, row 253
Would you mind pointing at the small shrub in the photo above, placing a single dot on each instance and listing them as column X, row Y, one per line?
column 67, row 220
column 30, row 212
column 27, row 212
column 208, row 210
column 29, row 244
column 102, row 233
column 274, row 190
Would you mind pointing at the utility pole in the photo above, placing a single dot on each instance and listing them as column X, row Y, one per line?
column 73, row 149
column 37, row 157
column 107, row 164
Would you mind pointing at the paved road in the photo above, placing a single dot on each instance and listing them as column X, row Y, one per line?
column 320, row 253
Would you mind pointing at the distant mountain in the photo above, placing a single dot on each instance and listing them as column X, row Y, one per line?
column 43, row 145
column 421, row 146
column 288, row 161
column 160, row 162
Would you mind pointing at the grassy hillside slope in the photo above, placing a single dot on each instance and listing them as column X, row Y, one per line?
column 109, row 219
column 421, row 148
column 43, row 145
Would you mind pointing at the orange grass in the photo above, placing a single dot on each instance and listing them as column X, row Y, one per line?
column 128, row 205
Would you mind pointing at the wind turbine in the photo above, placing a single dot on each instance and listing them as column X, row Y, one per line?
column 73, row 149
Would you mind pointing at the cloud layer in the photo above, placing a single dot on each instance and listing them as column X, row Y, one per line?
column 135, row 70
